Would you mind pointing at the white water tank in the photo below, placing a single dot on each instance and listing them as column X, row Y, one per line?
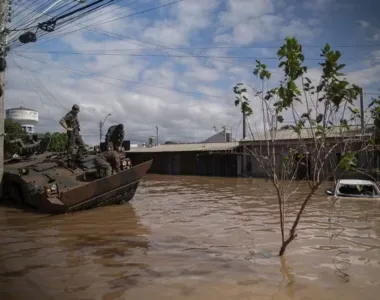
column 27, row 118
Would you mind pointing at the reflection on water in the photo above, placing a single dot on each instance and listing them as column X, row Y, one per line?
column 193, row 238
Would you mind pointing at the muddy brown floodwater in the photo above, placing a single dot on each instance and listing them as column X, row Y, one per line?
column 193, row 238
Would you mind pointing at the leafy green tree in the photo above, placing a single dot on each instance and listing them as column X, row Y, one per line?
column 56, row 142
column 317, row 113
column 374, row 109
column 13, row 131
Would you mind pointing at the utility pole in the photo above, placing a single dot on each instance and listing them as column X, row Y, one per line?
column 361, row 109
column 100, row 131
column 4, row 12
column 156, row 135
column 244, row 125
column 101, row 124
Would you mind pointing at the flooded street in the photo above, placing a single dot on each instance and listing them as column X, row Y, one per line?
column 193, row 238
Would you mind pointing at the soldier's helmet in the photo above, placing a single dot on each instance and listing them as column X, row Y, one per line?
column 75, row 107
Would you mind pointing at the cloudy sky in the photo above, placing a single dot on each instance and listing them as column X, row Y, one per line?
column 175, row 66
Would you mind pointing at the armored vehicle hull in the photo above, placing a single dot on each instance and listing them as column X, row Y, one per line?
column 46, row 184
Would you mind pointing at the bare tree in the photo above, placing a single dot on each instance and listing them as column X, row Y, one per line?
column 323, row 122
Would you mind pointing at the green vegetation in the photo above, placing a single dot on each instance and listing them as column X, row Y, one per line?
column 55, row 142
column 316, row 112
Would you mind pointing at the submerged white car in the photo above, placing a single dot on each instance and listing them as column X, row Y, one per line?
column 355, row 188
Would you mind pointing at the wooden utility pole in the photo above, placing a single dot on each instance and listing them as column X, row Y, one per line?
column 3, row 44
column 100, row 131
column 361, row 109
column 156, row 135
column 101, row 125
column 244, row 125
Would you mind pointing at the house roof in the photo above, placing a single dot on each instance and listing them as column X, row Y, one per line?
column 187, row 147
column 307, row 133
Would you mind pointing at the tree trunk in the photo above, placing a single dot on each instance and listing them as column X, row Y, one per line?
column 292, row 233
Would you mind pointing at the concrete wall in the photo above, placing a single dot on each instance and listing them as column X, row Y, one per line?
column 189, row 163
column 253, row 167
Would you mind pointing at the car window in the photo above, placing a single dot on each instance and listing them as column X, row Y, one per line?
column 357, row 190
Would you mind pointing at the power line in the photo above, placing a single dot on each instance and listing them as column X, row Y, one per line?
column 29, row 81
column 123, row 80
column 124, row 17
column 180, row 56
column 58, row 30
column 127, row 16
column 93, row 77
column 239, row 47
column 69, row 14
column 124, row 38
column 39, row 83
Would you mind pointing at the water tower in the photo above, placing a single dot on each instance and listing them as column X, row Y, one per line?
column 27, row 118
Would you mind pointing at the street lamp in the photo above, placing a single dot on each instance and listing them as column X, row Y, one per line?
column 101, row 124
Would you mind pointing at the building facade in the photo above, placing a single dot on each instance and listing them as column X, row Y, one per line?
column 288, row 144
column 204, row 159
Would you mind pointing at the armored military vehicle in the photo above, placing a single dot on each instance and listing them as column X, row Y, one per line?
column 44, row 182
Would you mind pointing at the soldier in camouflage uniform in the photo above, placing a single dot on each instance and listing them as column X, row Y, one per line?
column 107, row 162
column 115, row 136
column 71, row 123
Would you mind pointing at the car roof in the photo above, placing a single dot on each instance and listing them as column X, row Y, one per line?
column 355, row 181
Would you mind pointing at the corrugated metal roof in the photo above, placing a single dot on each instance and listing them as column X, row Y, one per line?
column 187, row 147
column 307, row 133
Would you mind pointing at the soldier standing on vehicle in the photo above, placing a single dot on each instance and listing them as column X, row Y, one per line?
column 71, row 123
column 115, row 136
column 107, row 162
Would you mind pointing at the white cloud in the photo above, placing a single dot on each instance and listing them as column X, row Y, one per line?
column 376, row 54
column 187, row 19
column 247, row 21
column 318, row 5
column 184, row 97
column 363, row 23
column 376, row 37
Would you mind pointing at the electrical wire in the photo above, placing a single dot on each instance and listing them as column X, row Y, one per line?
column 69, row 14
column 49, row 16
column 39, row 83
column 59, row 34
column 234, row 47
column 179, row 56
column 57, row 18
column 189, row 55
column 123, row 17
column 29, row 81
column 123, row 80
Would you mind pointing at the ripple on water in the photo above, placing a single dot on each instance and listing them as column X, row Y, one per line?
column 193, row 238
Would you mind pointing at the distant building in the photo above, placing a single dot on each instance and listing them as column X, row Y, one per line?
column 221, row 137
column 27, row 118
column 207, row 159
column 286, row 141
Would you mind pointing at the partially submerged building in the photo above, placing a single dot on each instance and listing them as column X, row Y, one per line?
column 207, row 159
column 217, row 157
column 287, row 143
